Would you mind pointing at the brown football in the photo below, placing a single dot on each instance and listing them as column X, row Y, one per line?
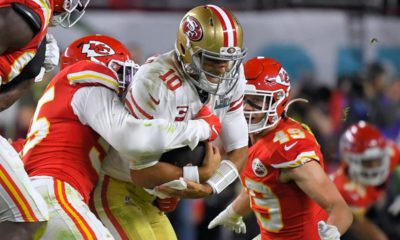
column 185, row 156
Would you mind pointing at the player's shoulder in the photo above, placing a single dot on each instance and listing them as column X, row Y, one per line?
column 293, row 145
column 160, row 75
column 89, row 72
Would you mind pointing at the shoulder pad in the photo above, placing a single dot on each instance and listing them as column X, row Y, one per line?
column 295, row 153
column 88, row 72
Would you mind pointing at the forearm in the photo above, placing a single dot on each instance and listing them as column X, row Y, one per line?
column 155, row 175
column 340, row 216
column 10, row 93
column 364, row 229
column 241, row 205
column 239, row 157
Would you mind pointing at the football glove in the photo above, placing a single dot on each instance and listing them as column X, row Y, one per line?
column 212, row 120
column 328, row 232
column 230, row 219
column 394, row 208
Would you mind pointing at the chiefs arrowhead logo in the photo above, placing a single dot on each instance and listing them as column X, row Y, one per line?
column 258, row 168
column 192, row 28
column 97, row 49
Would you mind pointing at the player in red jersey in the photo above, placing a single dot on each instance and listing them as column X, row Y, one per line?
column 76, row 120
column 23, row 28
column 283, row 180
column 368, row 159
column 24, row 54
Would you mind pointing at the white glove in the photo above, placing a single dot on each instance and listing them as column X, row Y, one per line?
column 178, row 184
column 394, row 208
column 52, row 55
column 230, row 219
column 328, row 232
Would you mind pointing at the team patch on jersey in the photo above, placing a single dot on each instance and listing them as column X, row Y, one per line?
column 97, row 49
column 258, row 168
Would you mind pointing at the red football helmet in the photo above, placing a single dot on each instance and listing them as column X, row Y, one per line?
column 102, row 49
column 268, row 82
column 365, row 150
column 68, row 12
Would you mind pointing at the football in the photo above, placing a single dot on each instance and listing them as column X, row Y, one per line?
column 185, row 156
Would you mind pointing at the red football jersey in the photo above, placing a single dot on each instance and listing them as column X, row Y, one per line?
column 283, row 210
column 58, row 144
column 358, row 196
column 11, row 63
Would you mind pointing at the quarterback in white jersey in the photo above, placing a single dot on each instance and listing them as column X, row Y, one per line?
column 204, row 69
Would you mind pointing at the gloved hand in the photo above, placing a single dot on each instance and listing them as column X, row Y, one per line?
column 394, row 208
column 52, row 55
column 230, row 219
column 212, row 120
column 167, row 204
column 328, row 232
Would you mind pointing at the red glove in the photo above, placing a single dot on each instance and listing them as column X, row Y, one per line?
column 167, row 204
column 212, row 120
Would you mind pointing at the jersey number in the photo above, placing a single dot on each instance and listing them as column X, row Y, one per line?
column 290, row 133
column 262, row 198
column 172, row 81
column 40, row 127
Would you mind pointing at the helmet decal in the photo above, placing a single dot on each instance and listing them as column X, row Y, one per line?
column 97, row 49
column 266, row 80
column 192, row 28
column 228, row 26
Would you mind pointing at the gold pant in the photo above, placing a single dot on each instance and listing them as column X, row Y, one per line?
column 128, row 211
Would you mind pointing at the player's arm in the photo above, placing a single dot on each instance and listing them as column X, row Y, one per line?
column 11, row 92
column 150, row 177
column 234, row 136
column 312, row 180
column 363, row 228
column 101, row 109
column 231, row 217
column 15, row 32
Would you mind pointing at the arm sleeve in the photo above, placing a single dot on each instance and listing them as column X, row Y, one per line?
column 101, row 109
column 234, row 132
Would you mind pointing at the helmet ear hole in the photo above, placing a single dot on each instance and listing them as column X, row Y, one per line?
column 182, row 49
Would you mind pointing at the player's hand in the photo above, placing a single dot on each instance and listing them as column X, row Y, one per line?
column 328, row 232
column 230, row 219
column 52, row 55
column 193, row 190
column 212, row 120
column 394, row 208
column 211, row 162
column 167, row 204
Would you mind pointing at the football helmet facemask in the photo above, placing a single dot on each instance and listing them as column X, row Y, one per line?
column 210, row 36
column 267, row 92
column 105, row 50
column 68, row 12
column 366, row 153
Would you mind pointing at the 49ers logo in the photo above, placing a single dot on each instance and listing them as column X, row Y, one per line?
column 97, row 49
column 192, row 28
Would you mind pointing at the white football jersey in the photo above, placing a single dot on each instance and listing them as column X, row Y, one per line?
column 160, row 90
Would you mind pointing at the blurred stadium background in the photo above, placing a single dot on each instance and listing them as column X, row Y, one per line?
column 342, row 55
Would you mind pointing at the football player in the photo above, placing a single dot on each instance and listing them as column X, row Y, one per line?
column 23, row 28
column 204, row 69
column 368, row 159
column 76, row 119
column 25, row 52
column 284, row 181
